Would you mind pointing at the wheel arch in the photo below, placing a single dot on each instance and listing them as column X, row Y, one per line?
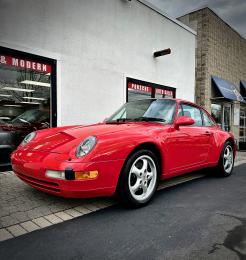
column 149, row 146
column 233, row 144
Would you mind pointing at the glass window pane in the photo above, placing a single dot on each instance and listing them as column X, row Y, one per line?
column 207, row 119
column 163, row 93
column 242, row 112
column 241, row 121
column 180, row 112
column 227, row 119
column 136, row 92
column 216, row 112
column 194, row 113
column 25, row 94
column 241, row 131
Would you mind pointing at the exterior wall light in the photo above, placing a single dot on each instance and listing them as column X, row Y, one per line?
column 161, row 53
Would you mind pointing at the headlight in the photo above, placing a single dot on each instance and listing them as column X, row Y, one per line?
column 86, row 146
column 28, row 138
column 55, row 174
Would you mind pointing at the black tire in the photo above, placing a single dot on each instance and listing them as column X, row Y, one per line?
column 139, row 178
column 225, row 164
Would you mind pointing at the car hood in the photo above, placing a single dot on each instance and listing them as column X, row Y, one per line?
column 59, row 141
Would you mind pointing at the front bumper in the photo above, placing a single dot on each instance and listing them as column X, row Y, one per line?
column 30, row 166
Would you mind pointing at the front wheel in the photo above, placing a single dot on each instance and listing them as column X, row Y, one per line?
column 139, row 178
column 226, row 160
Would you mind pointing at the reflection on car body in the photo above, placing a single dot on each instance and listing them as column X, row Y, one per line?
column 141, row 143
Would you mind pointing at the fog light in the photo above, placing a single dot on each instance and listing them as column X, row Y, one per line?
column 55, row 174
column 85, row 175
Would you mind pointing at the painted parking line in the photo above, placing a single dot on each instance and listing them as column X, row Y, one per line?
column 45, row 210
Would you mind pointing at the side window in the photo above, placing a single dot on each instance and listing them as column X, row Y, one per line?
column 208, row 121
column 180, row 112
column 194, row 113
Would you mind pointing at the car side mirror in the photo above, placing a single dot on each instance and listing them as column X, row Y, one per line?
column 183, row 120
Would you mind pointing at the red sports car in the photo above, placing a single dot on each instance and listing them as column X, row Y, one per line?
column 141, row 143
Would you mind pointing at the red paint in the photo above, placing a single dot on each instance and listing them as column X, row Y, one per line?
column 181, row 150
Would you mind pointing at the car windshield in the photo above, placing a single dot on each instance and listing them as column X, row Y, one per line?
column 28, row 117
column 159, row 110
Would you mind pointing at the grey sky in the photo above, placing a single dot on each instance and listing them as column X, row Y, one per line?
column 233, row 12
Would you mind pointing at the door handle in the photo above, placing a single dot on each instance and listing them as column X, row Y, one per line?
column 207, row 133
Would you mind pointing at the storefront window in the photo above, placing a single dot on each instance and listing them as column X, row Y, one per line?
column 137, row 89
column 163, row 93
column 242, row 133
column 222, row 113
column 25, row 101
column 227, row 119
column 216, row 112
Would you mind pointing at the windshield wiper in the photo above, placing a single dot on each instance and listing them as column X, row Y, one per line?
column 119, row 120
column 124, row 119
column 147, row 119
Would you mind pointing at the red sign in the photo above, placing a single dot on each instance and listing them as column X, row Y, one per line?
column 6, row 60
column 139, row 87
column 164, row 92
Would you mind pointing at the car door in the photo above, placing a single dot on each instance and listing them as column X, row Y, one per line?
column 190, row 144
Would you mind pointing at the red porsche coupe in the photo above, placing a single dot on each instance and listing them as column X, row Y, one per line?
column 141, row 143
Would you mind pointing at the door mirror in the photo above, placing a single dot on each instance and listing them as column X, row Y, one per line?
column 183, row 120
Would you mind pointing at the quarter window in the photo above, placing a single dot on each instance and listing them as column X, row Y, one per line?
column 208, row 121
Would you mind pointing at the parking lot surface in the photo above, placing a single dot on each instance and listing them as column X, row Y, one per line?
column 24, row 209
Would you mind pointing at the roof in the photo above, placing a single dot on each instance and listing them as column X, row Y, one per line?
column 207, row 6
column 167, row 16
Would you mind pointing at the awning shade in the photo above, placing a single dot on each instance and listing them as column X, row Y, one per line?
column 243, row 88
column 226, row 89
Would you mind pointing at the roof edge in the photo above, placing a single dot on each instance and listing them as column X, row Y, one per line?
column 167, row 16
column 207, row 6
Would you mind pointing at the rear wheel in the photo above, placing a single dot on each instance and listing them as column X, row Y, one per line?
column 226, row 160
column 139, row 178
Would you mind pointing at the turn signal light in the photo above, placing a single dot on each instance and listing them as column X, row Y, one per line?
column 85, row 175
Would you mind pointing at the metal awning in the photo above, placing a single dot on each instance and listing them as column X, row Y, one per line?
column 222, row 89
column 243, row 88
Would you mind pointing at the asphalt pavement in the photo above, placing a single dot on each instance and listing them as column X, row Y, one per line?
column 204, row 218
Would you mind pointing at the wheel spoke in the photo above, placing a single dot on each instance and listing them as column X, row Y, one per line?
column 144, row 188
column 227, row 153
column 136, row 186
column 145, row 165
column 226, row 164
column 149, row 175
column 136, row 171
